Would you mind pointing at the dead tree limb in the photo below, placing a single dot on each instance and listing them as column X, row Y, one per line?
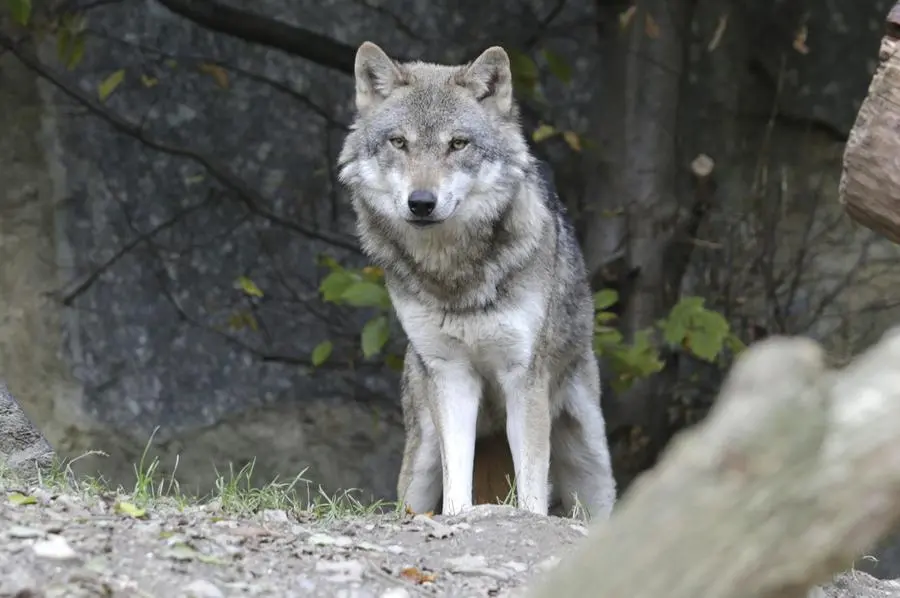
column 793, row 475
column 870, row 182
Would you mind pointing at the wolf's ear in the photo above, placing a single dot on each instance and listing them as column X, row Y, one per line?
column 489, row 77
column 376, row 76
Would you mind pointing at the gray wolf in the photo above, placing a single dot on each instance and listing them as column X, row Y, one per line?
column 487, row 280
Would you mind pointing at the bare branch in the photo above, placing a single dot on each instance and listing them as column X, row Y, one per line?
column 247, row 196
column 255, row 28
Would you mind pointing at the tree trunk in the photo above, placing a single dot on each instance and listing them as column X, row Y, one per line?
column 870, row 183
column 635, row 123
column 793, row 475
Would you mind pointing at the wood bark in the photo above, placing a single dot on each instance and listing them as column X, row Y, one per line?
column 870, row 182
column 792, row 476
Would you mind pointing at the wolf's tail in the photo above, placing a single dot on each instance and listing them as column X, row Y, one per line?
column 493, row 480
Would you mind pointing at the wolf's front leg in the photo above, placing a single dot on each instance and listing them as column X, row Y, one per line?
column 528, row 431
column 454, row 398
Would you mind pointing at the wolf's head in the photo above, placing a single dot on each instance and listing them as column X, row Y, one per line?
column 433, row 143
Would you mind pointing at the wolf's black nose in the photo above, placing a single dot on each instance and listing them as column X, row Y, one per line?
column 421, row 203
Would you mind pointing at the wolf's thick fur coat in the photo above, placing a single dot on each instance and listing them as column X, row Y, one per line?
column 488, row 281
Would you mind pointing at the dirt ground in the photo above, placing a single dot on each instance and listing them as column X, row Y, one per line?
column 77, row 545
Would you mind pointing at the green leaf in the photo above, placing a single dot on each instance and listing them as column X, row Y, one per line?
column 19, row 499
column 605, row 299
column 543, row 132
column 77, row 54
column 321, row 353
column 374, row 335
column 109, row 85
column 334, row 285
column 558, row 66
column 249, row 287
column 21, row 11
column 366, row 294
column 394, row 362
column 130, row 510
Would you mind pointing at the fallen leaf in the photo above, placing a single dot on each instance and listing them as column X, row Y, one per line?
column 129, row 509
column 19, row 499
column 717, row 36
column 416, row 576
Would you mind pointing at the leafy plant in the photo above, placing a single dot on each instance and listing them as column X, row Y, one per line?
column 690, row 327
column 362, row 288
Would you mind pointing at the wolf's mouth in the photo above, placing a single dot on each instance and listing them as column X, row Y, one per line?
column 424, row 223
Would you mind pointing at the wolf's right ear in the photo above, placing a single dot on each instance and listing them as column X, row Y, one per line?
column 376, row 76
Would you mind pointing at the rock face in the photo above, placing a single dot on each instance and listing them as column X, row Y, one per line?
column 119, row 260
column 23, row 449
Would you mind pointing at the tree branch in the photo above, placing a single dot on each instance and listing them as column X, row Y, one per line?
column 258, row 29
column 247, row 196
column 792, row 476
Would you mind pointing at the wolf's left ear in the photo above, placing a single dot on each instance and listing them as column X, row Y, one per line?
column 376, row 76
column 489, row 77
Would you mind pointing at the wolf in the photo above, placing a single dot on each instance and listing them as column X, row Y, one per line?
column 487, row 280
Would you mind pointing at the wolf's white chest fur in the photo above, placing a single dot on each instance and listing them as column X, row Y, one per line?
column 490, row 344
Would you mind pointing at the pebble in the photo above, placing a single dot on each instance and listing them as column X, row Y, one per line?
column 436, row 529
column 326, row 540
column 24, row 533
column 395, row 593
column 275, row 516
column 341, row 571
column 54, row 547
column 202, row 588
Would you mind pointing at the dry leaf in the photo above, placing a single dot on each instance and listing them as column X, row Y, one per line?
column 574, row 141
column 625, row 17
column 416, row 576
column 650, row 27
column 800, row 40
column 216, row 72
column 720, row 31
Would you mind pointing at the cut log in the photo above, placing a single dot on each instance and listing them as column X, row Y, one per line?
column 791, row 477
column 869, row 188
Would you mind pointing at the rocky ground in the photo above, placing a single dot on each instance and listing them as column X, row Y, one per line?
column 78, row 544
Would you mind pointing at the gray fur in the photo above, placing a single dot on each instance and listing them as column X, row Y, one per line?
column 491, row 293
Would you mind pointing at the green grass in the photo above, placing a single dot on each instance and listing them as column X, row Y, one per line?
column 233, row 493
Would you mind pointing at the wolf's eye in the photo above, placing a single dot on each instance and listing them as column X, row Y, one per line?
column 398, row 142
column 458, row 143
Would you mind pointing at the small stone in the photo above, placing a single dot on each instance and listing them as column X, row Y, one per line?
column 395, row 593
column 275, row 516
column 370, row 546
column 326, row 540
column 55, row 547
column 201, row 588
column 24, row 533
column 548, row 563
column 436, row 529
column 516, row 566
column 341, row 571
column 579, row 528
